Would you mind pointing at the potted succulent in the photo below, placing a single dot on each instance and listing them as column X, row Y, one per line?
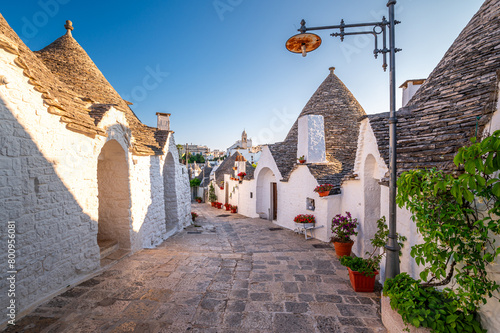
column 301, row 159
column 323, row 190
column 234, row 209
column 242, row 175
column 362, row 272
column 304, row 220
column 343, row 227
column 194, row 216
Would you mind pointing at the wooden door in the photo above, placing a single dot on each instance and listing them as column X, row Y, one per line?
column 274, row 200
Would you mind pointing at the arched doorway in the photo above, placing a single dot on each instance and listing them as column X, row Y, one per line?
column 267, row 194
column 114, row 224
column 372, row 204
column 170, row 194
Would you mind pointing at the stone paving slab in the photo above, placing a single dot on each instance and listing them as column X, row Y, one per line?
column 233, row 275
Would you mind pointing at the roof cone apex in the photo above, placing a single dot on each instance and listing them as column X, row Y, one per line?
column 69, row 28
column 332, row 70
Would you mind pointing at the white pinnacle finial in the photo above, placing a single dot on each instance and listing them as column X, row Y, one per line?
column 69, row 27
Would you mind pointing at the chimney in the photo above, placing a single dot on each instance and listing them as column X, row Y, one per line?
column 163, row 121
column 410, row 87
column 311, row 140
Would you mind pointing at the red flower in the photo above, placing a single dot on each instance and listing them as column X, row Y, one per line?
column 304, row 218
column 242, row 174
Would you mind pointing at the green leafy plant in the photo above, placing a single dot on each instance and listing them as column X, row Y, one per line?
column 427, row 307
column 212, row 197
column 457, row 217
column 195, row 182
column 370, row 265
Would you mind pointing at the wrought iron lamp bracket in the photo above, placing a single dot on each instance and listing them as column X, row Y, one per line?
column 378, row 28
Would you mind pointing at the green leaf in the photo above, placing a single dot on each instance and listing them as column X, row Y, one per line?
column 416, row 322
column 496, row 189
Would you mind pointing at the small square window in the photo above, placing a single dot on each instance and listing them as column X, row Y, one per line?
column 310, row 204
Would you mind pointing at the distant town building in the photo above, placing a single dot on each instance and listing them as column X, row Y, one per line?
column 245, row 148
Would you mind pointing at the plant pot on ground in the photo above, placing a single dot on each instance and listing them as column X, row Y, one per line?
column 362, row 271
column 343, row 227
column 301, row 159
column 234, row 209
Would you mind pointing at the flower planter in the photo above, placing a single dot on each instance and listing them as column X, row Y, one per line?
column 233, row 211
column 362, row 283
column 324, row 194
column 213, row 204
column 228, row 208
column 343, row 249
column 302, row 161
column 304, row 225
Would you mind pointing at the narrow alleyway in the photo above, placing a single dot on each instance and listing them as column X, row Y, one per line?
column 230, row 274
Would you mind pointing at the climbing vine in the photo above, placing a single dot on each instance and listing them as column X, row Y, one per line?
column 457, row 217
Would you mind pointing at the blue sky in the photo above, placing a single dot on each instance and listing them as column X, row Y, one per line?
column 221, row 66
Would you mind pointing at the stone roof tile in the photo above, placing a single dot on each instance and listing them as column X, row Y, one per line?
column 443, row 114
column 341, row 112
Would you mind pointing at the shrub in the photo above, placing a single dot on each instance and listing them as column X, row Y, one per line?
column 427, row 307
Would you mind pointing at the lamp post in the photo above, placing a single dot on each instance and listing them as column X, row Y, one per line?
column 307, row 42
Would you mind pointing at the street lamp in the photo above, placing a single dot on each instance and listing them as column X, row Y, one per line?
column 307, row 42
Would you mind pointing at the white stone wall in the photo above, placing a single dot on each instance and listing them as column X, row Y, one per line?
column 49, row 187
column 489, row 312
column 48, row 190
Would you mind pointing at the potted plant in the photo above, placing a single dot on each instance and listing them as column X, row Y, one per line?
column 323, row 190
column 242, row 175
column 219, row 205
column 301, row 159
column 194, row 216
column 343, row 227
column 362, row 272
column 198, row 199
column 304, row 221
column 212, row 197
column 227, row 206
column 234, row 209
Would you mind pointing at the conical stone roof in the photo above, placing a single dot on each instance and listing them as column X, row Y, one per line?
column 69, row 62
column 460, row 93
column 341, row 112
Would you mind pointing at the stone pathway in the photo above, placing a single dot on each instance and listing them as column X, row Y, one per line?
column 231, row 274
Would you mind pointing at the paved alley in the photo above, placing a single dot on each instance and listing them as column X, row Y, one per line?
column 227, row 274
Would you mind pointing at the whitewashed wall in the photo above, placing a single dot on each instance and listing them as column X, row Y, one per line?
column 48, row 186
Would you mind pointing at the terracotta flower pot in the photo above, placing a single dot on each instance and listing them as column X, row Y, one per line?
column 362, row 283
column 302, row 161
column 233, row 211
column 324, row 194
column 343, row 249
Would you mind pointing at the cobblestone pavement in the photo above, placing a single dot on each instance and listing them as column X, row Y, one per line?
column 231, row 274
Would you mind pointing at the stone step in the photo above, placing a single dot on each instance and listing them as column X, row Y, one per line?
column 107, row 247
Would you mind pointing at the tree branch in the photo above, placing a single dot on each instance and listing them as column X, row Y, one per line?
column 443, row 282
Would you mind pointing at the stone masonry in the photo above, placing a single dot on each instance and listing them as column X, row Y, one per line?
column 227, row 274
